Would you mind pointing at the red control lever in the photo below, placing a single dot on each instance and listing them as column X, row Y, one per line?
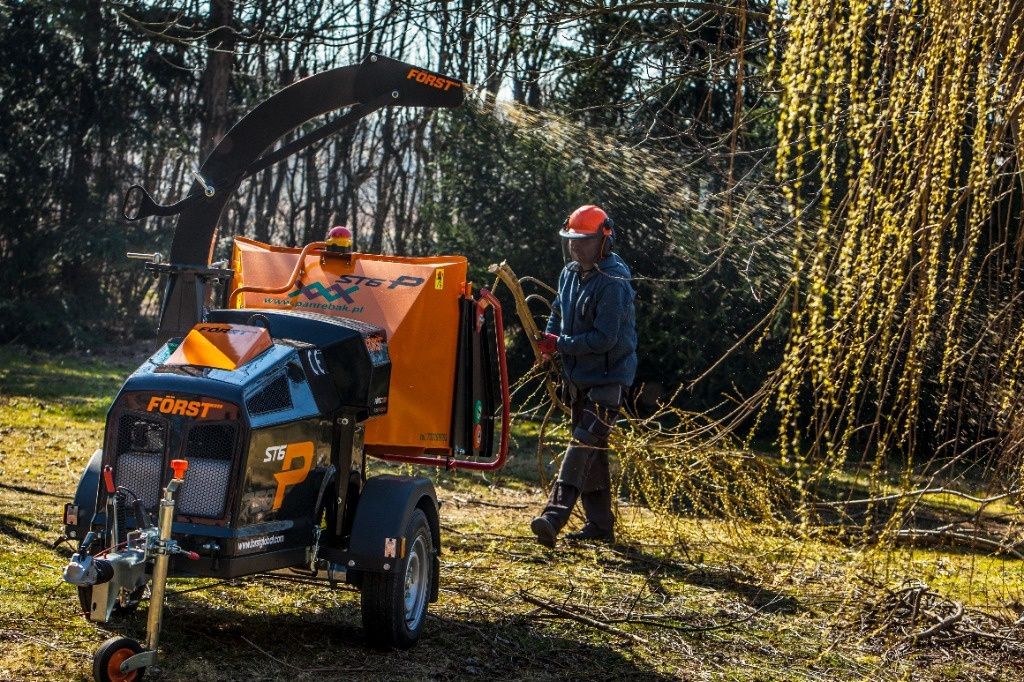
column 194, row 556
column 108, row 479
column 179, row 466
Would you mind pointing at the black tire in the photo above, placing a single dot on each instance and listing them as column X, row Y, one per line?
column 110, row 655
column 394, row 604
column 85, row 601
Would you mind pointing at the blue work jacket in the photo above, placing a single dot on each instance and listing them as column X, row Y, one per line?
column 594, row 319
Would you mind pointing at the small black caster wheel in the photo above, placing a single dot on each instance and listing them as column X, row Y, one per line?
column 106, row 663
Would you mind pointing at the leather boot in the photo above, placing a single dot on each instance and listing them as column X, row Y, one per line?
column 591, row 532
column 597, row 508
column 555, row 514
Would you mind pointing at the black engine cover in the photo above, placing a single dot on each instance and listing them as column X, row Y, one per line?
column 347, row 364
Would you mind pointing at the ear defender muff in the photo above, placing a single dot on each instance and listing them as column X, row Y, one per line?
column 607, row 236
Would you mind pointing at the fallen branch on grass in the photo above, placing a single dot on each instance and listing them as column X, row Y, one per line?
column 943, row 625
column 931, row 538
column 302, row 672
column 272, row 656
column 16, row 634
column 904, row 612
column 657, row 621
column 919, row 493
column 580, row 618
column 482, row 503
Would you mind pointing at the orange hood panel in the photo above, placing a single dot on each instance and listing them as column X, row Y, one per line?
column 221, row 346
column 416, row 302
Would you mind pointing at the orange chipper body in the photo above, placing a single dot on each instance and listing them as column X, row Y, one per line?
column 416, row 302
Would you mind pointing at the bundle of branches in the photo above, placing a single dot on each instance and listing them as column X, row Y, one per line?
column 899, row 146
column 917, row 616
column 671, row 460
column 667, row 467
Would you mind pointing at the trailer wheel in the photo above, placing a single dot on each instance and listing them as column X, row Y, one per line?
column 394, row 605
column 106, row 663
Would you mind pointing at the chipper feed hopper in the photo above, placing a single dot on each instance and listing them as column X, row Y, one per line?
column 239, row 447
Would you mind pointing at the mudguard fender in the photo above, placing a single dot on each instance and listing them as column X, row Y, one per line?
column 385, row 506
column 86, row 497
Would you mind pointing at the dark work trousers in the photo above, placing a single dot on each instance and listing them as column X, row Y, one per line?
column 584, row 472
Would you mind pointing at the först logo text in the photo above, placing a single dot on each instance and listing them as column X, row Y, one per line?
column 439, row 82
column 168, row 404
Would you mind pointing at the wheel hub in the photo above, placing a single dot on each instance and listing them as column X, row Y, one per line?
column 415, row 587
column 114, row 666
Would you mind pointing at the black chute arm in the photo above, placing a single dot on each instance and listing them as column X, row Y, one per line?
column 378, row 81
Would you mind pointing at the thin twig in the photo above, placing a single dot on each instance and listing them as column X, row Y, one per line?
column 974, row 541
column 691, row 628
column 271, row 656
column 919, row 493
column 482, row 503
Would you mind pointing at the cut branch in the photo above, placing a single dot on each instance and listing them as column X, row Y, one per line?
column 937, row 537
column 920, row 493
column 580, row 618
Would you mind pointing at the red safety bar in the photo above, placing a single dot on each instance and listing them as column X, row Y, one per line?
column 450, row 462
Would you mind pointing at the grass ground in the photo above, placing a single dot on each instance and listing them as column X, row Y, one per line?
column 675, row 599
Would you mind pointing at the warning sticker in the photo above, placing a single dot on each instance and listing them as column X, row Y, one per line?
column 439, row 278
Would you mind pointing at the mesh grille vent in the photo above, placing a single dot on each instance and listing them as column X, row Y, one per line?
column 210, row 441
column 209, row 451
column 140, row 472
column 275, row 397
column 205, row 491
column 140, row 434
column 140, row 456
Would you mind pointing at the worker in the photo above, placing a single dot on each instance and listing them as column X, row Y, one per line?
column 593, row 328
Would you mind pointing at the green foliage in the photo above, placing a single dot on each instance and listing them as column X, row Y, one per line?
column 70, row 98
column 902, row 165
column 33, row 117
column 497, row 196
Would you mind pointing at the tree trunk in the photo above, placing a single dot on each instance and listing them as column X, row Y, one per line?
column 80, row 156
column 217, row 76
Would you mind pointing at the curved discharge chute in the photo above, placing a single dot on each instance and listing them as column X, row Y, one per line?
column 244, row 151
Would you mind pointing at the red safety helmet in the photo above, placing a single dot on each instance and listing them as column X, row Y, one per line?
column 587, row 222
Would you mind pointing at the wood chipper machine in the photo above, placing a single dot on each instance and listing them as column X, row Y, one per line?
column 239, row 447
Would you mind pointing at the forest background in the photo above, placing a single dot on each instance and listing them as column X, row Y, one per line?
column 821, row 202
column 97, row 96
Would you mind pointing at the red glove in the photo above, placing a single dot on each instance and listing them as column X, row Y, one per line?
column 547, row 344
